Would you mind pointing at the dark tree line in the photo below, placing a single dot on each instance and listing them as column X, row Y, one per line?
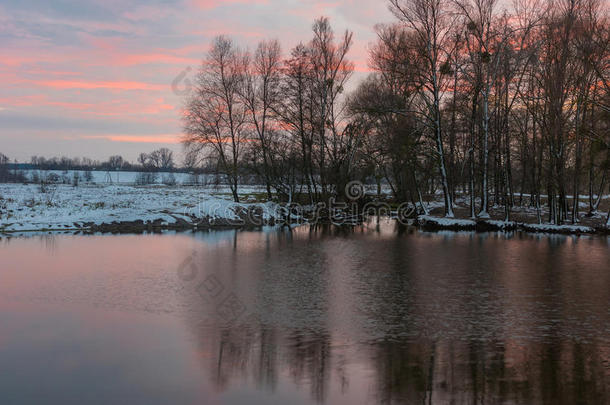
column 148, row 165
column 160, row 159
column 5, row 174
column 490, row 107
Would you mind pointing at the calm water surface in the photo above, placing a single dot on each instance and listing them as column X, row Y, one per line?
column 366, row 316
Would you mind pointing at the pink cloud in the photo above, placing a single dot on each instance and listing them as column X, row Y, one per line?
column 113, row 85
column 132, row 108
column 115, row 52
column 23, row 101
column 139, row 59
column 211, row 4
column 161, row 138
column 116, row 70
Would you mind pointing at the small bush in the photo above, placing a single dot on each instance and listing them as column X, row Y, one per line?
column 30, row 202
column 43, row 187
column 145, row 178
column 169, row 180
column 75, row 179
column 52, row 178
column 35, row 177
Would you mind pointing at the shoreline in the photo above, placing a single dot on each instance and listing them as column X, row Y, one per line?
column 423, row 222
column 24, row 209
column 431, row 223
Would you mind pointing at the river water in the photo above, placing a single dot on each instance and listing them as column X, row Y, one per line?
column 365, row 315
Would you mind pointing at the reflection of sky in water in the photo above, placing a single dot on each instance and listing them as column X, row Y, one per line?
column 368, row 315
column 223, row 236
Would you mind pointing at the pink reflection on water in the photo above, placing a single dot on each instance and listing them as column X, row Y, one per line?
column 360, row 316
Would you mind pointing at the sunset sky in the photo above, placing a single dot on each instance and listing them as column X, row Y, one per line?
column 94, row 78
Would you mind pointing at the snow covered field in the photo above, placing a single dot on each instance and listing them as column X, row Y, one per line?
column 62, row 207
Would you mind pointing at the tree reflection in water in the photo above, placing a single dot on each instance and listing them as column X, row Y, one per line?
column 370, row 316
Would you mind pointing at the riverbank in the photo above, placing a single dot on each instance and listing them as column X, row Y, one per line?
column 156, row 208
column 122, row 208
column 431, row 223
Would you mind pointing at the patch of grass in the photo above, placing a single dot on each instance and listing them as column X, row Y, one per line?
column 96, row 205
column 254, row 197
column 124, row 204
column 219, row 194
column 31, row 203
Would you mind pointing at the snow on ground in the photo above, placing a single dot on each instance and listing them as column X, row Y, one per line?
column 502, row 225
column 559, row 228
column 447, row 222
column 25, row 207
column 569, row 196
column 118, row 177
column 486, row 224
column 64, row 207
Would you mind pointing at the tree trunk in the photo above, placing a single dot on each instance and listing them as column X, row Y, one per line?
column 485, row 192
column 577, row 165
column 471, row 179
column 440, row 149
column 234, row 191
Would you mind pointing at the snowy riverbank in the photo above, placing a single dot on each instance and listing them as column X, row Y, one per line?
column 109, row 207
column 130, row 208
column 488, row 225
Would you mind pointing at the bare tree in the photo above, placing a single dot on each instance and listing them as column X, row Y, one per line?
column 330, row 72
column 395, row 143
column 143, row 160
column 116, row 162
column 431, row 21
column 4, row 161
column 160, row 159
column 260, row 95
column 215, row 118
column 295, row 111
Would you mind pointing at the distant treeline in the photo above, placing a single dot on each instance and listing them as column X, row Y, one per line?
column 148, row 164
column 158, row 160
column 153, row 168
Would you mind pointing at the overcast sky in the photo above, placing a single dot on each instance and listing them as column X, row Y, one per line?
column 94, row 78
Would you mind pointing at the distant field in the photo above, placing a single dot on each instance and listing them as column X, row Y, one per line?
column 114, row 177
